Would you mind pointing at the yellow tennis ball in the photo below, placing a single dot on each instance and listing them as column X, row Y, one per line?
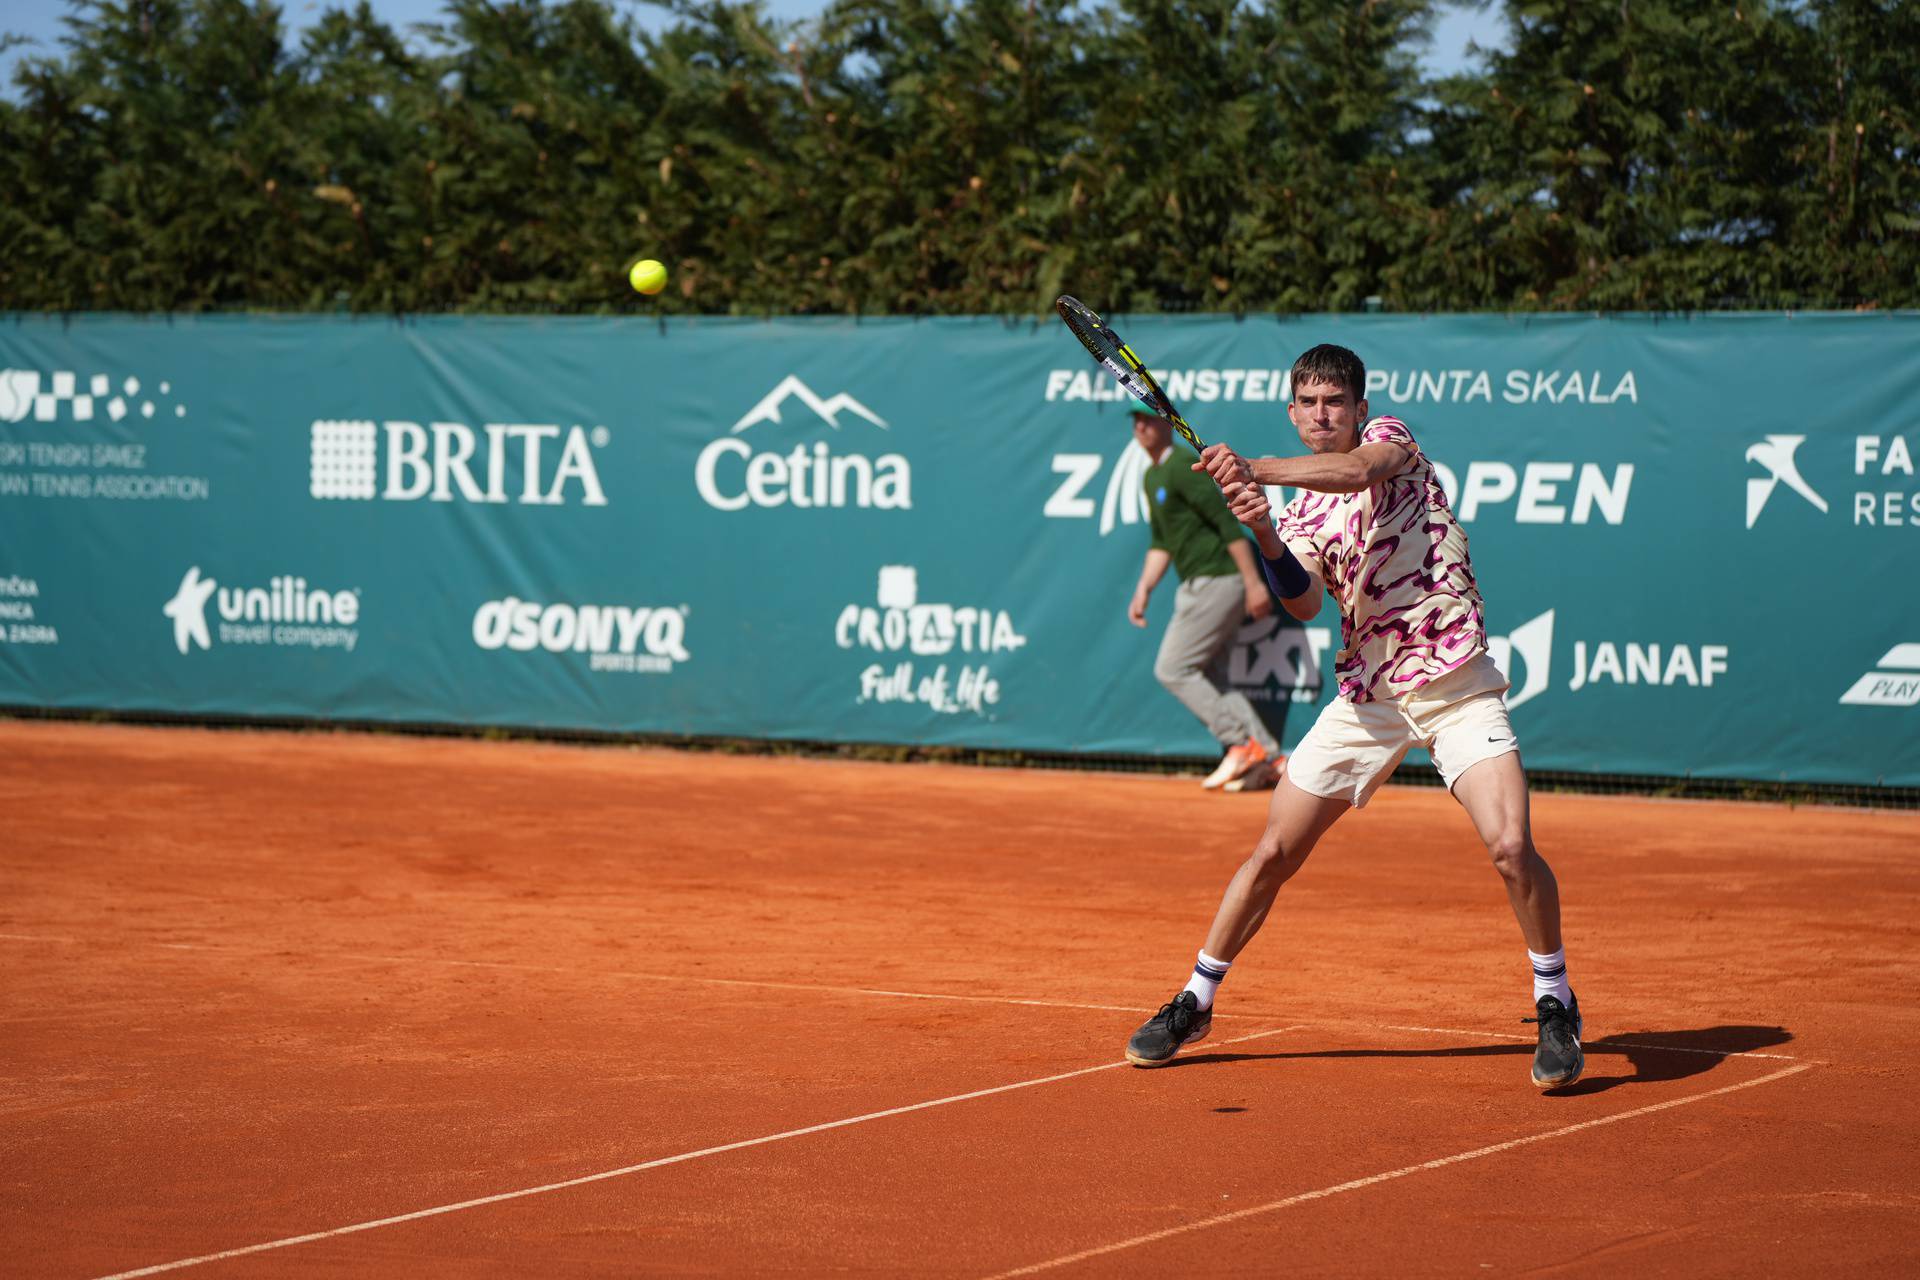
column 648, row 276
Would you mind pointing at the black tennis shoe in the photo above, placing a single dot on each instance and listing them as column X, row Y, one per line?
column 1558, row 1060
column 1179, row 1023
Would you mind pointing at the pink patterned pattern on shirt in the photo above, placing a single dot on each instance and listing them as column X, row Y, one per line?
column 1395, row 560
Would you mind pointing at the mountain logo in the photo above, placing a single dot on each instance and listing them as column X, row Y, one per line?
column 828, row 410
column 730, row 475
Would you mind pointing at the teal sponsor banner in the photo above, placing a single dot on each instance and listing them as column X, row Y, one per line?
column 1697, row 537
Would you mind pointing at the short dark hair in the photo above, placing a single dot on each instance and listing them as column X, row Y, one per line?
column 1328, row 363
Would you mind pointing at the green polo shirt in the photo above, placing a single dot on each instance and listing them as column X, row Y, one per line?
column 1189, row 518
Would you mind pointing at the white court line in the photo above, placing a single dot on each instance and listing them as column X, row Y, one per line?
column 1359, row 1183
column 638, row 1168
column 512, row 967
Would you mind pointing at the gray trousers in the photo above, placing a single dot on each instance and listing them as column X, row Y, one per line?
column 1192, row 664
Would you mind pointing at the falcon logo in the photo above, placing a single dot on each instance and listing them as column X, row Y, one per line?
column 1775, row 453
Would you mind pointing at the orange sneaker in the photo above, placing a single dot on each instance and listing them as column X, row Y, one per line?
column 1236, row 762
column 1264, row 776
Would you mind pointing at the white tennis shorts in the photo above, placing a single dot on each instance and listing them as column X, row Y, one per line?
column 1354, row 747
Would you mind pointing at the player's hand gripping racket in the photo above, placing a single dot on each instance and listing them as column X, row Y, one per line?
column 1118, row 357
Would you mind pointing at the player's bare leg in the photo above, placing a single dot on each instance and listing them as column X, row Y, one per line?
column 1494, row 794
column 1295, row 822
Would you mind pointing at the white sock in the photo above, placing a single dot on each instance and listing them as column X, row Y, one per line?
column 1208, row 974
column 1550, row 977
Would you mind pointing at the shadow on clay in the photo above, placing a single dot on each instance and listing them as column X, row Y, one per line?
column 1649, row 1056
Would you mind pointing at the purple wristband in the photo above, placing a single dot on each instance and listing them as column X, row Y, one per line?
column 1285, row 574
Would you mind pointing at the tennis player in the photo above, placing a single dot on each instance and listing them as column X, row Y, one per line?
column 1375, row 531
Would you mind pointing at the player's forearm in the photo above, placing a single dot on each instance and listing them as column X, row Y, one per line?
column 1321, row 472
column 1243, row 560
column 1154, row 569
column 1267, row 538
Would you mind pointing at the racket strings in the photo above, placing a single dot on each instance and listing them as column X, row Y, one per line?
column 1107, row 348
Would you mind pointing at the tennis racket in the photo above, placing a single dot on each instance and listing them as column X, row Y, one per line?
column 1096, row 336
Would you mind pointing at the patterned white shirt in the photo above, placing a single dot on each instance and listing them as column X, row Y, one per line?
column 1395, row 560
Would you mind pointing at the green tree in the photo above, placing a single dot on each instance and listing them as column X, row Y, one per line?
column 965, row 156
column 1661, row 155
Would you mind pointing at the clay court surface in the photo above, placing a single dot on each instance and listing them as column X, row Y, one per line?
column 303, row 1000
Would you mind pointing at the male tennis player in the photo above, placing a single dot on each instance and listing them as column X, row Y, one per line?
column 1375, row 530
